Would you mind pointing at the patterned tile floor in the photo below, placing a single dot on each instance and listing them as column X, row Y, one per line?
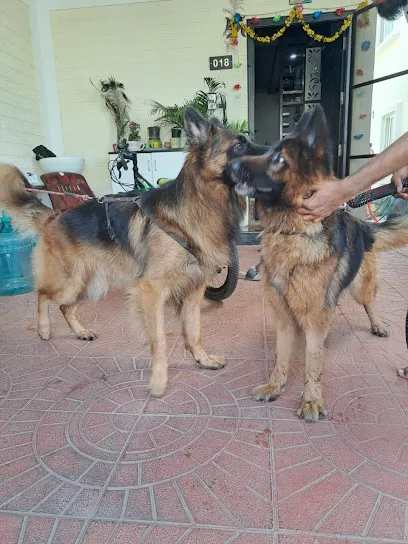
column 87, row 457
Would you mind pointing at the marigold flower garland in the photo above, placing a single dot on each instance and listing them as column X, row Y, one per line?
column 237, row 24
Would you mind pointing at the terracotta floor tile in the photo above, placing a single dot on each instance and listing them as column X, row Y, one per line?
column 87, row 457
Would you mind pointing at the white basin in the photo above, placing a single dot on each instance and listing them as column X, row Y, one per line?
column 73, row 165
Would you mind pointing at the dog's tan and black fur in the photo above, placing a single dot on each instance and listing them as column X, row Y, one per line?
column 306, row 266
column 76, row 257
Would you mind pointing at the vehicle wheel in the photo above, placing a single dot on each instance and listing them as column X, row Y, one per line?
column 224, row 283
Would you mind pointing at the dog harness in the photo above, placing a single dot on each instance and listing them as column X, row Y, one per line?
column 138, row 201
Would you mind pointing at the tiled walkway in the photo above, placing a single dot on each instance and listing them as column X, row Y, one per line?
column 87, row 457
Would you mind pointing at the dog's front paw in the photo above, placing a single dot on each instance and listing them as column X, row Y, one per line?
column 44, row 333
column 87, row 335
column 266, row 392
column 214, row 362
column 380, row 330
column 157, row 382
column 312, row 410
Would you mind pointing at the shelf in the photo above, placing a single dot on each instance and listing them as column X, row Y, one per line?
column 285, row 125
column 293, row 92
column 293, row 103
column 285, row 114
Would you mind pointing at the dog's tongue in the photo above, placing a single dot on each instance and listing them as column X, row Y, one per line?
column 244, row 190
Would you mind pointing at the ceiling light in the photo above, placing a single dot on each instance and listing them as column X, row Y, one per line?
column 293, row 56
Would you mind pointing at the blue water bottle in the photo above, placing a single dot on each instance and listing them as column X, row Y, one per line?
column 15, row 260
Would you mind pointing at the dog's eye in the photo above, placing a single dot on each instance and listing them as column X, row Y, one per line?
column 242, row 141
column 277, row 158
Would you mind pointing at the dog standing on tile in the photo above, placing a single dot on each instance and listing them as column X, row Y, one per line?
column 306, row 266
column 77, row 257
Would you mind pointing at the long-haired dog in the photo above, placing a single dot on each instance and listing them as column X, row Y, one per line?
column 306, row 266
column 85, row 251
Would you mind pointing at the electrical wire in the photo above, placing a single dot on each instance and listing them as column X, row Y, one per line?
column 112, row 167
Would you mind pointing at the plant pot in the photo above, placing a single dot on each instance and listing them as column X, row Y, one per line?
column 135, row 145
column 176, row 132
column 154, row 133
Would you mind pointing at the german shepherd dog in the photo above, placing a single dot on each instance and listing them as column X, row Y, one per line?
column 76, row 257
column 306, row 266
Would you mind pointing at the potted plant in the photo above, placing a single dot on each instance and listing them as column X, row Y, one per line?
column 239, row 126
column 173, row 116
column 134, row 143
column 117, row 102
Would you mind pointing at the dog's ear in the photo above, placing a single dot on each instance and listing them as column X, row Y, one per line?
column 313, row 129
column 216, row 122
column 319, row 134
column 302, row 126
column 197, row 128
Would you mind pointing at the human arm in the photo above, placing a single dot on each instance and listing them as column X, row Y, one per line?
column 330, row 195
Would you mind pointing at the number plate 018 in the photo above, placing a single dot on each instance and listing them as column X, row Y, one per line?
column 221, row 63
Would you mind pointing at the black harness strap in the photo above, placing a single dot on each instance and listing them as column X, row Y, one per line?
column 137, row 200
column 111, row 230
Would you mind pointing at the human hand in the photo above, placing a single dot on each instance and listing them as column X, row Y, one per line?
column 326, row 199
column 401, row 174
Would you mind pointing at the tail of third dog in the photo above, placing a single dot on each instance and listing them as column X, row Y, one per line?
column 390, row 235
column 28, row 213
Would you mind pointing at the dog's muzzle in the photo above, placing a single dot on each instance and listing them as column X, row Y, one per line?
column 246, row 182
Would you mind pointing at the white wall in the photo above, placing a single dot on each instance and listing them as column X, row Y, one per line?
column 159, row 50
column 20, row 119
column 382, row 98
column 391, row 95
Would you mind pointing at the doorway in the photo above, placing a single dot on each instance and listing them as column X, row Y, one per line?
column 292, row 75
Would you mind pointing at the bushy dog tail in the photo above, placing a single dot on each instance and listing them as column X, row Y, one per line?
column 392, row 234
column 28, row 213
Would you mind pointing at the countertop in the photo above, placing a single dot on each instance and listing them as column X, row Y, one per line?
column 152, row 150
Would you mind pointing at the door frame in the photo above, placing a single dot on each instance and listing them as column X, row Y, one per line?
column 348, row 156
column 269, row 22
column 345, row 115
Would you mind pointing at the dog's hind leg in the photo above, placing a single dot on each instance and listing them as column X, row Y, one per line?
column 152, row 298
column 43, row 323
column 192, row 331
column 69, row 312
column 285, row 338
column 364, row 288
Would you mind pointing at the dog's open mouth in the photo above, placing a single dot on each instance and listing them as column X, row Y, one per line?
column 243, row 189
column 246, row 182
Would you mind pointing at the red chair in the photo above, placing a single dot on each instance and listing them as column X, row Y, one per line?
column 60, row 182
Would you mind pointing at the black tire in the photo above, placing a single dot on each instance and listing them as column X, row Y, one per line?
column 225, row 290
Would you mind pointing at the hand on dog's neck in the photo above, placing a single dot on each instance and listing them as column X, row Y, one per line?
column 284, row 220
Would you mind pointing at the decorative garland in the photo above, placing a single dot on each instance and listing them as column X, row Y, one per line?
column 235, row 25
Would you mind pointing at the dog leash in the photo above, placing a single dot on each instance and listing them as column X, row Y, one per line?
column 63, row 193
column 374, row 194
column 106, row 200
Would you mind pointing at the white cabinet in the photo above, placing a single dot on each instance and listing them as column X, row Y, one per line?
column 152, row 165
column 144, row 163
column 167, row 164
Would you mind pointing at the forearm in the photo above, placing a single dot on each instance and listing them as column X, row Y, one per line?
column 389, row 161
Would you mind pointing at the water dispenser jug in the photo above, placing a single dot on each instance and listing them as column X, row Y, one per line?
column 15, row 261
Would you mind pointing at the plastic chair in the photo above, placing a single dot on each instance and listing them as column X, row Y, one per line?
column 73, row 183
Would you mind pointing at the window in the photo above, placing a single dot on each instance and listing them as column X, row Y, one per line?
column 386, row 28
column 387, row 130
